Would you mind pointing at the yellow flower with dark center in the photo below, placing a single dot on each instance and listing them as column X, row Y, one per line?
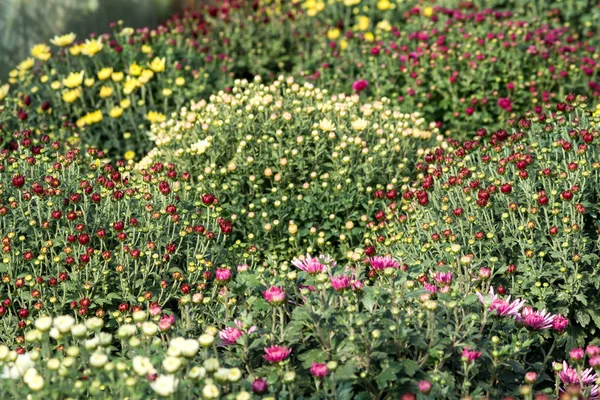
column 158, row 64
column 41, row 52
column 117, row 76
column 135, row 69
column 105, row 73
column 115, row 112
column 26, row 64
column 155, row 116
column 74, row 79
column 91, row 47
column 71, row 95
column 105, row 92
column 64, row 40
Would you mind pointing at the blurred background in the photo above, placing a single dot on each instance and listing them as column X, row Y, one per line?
column 24, row 23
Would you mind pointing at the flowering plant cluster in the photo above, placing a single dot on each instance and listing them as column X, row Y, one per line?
column 516, row 211
column 294, row 165
column 84, row 235
column 461, row 66
column 314, row 329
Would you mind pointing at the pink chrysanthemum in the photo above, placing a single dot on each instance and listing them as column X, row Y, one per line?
column 503, row 308
column 312, row 265
column 586, row 379
column 537, row 320
column 379, row 263
column 276, row 354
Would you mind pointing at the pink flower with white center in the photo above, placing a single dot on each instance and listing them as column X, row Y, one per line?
column 503, row 308
column 470, row 355
column 340, row 282
column 430, row 287
column 274, row 295
column 442, row 278
column 379, row 263
column 230, row 335
column 537, row 320
column 310, row 265
column 166, row 322
column 586, row 379
column 276, row 354
column 223, row 274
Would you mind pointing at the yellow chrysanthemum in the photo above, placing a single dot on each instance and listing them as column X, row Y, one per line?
column 180, row 81
column 158, row 64
column 4, row 91
column 105, row 92
column 117, row 76
column 384, row 5
column 71, row 95
column 155, row 116
column 75, row 50
column 363, row 23
column 135, row 69
column 41, row 52
column 125, row 103
column 130, row 85
column 115, row 112
column 350, row 3
column 428, row 11
column 89, row 82
column 74, row 79
column 129, row 155
column 127, row 31
column 147, row 49
column 64, row 40
column 384, row 25
column 55, row 85
column 105, row 73
column 90, row 119
column 369, row 37
column 147, row 74
column 167, row 92
column 343, row 44
column 91, row 47
column 26, row 64
column 333, row 34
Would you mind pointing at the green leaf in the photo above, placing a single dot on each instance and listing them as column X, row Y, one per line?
column 410, row 367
